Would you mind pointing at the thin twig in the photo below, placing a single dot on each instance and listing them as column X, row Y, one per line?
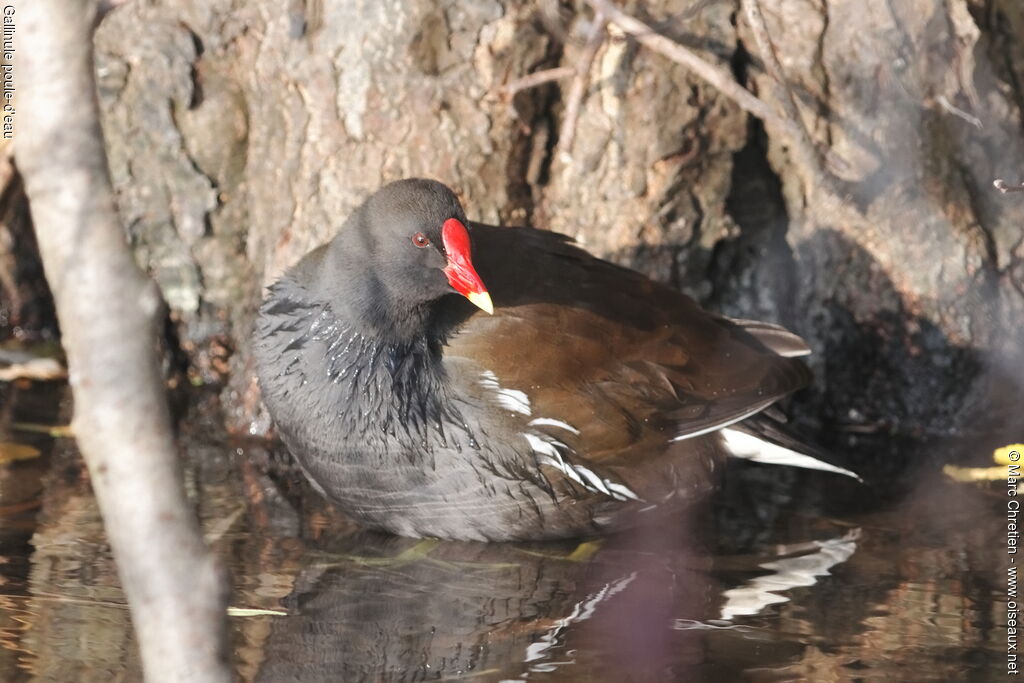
column 802, row 143
column 790, row 128
column 1006, row 187
column 960, row 113
column 716, row 76
column 535, row 79
column 578, row 88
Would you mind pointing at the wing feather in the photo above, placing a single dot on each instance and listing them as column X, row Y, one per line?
column 625, row 361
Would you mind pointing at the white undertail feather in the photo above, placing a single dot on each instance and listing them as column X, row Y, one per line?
column 749, row 447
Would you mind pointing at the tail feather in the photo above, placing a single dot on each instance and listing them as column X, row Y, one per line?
column 775, row 337
column 761, row 439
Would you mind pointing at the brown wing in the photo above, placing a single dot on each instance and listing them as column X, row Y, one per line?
column 619, row 358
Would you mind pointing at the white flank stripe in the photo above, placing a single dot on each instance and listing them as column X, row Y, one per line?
column 562, row 467
column 548, row 453
column 551, row 422
column 510, row 399
column 749, row 447
column 514, row 400
column 541, row 446
column 593, row 479
column 621, row 491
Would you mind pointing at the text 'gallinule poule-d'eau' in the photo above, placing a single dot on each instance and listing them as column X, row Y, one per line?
column 586, row 396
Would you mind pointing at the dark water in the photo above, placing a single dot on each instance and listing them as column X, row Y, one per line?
column 784, row 576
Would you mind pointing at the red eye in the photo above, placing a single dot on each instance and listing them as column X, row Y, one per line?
column 420, row 240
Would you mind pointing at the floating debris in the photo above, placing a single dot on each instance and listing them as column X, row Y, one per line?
column 40, row 369
column 12, row 452
column 247, row 612
column 55, row 431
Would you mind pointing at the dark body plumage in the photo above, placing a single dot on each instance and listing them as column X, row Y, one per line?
column 591, row 396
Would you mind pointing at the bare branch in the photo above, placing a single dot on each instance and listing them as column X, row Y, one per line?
column 580, row 80
column 960, row 113
column 790, row 126
column 801, row 139
column 535, row 79
column 106, row 309
column 716, row 76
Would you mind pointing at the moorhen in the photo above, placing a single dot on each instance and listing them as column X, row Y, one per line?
column 441, row 378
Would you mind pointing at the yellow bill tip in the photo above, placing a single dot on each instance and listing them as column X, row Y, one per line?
column 481, row 300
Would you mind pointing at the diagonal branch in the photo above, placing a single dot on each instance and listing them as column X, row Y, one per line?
column 800, row 138
column 790, row 126
column 578, row 88
column 534, row 80
column 716, row 76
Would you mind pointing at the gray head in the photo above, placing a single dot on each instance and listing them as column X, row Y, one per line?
column 404, row 249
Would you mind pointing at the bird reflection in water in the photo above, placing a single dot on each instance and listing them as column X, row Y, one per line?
column 643, row 606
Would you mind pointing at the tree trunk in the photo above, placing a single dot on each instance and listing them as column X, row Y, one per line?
column 106, row 310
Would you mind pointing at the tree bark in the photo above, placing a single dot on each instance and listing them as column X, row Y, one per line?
column 106, row 310
column 241, row 135
column 647, row 177
column 913, row 297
